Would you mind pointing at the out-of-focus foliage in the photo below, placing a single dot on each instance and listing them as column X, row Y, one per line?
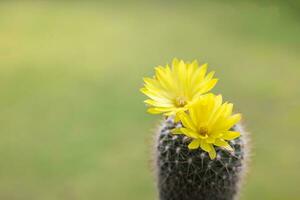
column 72, row 121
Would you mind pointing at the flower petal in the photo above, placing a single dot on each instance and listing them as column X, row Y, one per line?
column 189, row 133
column 230, row 135
column 205, row 146
column 194, row 144
column 210, row 140
column 186, row 120
column 221, row 143
column 212, row 154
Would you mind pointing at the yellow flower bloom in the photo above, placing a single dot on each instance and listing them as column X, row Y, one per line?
column 173, row 88
column 207, row 122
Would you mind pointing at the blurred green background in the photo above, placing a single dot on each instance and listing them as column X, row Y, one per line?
column 72, row 121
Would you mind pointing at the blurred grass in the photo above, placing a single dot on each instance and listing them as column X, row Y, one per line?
column 72, row 122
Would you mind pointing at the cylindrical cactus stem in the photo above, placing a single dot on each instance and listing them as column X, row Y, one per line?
column 185, row 174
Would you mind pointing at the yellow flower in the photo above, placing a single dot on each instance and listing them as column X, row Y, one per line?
column 173, row 88
column 207, row 122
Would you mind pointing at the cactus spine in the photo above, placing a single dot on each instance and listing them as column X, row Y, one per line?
column 184, row 174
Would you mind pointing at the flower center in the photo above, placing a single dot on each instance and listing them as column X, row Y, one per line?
column 180, row 101
column 203, row 131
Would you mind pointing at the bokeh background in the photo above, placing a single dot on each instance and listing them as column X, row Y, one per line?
column 72, row 122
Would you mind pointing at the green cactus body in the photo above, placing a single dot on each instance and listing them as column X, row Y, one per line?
column 185, row 174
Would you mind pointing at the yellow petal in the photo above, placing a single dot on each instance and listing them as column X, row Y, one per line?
column 212, row 154
column 210, row 140
column 218, row 100
column 158, row 110
column 199, row 111
column 207, row 86
column 199, row 75
column 191, row 69
column 216, row 134
column 230, row 135
column 176, row 131
column 221, row 143
column 194, row 112
column 205, row 146
column 228, row 148
column 228, row 110
column 175, row 62
column 189, row 133
column 210, row 75
column 164, row 77
column 158, row 103
column 153, row 111
column 224, row 124
column 234, row 119
column 216, row 114
column 194, row 144
column 186, row 121
column 155, row 96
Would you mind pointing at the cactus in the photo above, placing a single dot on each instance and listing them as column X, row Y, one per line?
column 184, row 174
column 203, row 155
